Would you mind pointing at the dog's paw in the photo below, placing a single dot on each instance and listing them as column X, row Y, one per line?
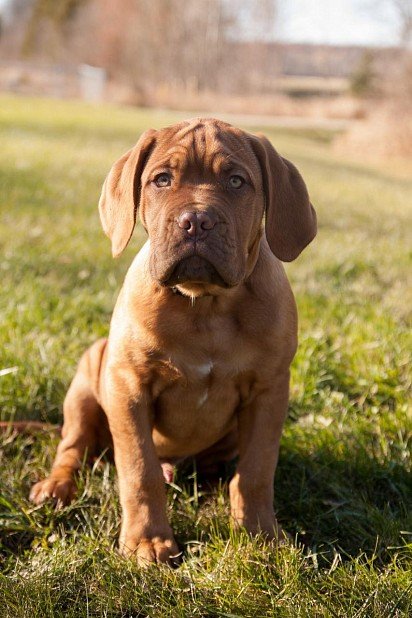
column 61, row 491
column 149, row 551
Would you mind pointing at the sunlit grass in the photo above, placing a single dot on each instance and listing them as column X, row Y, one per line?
column 343, row 486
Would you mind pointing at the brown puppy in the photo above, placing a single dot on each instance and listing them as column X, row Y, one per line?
column 203, row 332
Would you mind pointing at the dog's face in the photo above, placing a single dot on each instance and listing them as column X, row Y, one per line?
column 201, row 188
column 202, row 206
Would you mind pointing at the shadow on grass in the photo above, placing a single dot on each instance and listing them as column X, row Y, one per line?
column 344, row 501
column 333, row 500
column 338, row 494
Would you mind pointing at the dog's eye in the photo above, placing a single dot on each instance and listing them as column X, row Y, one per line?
column 235, row 182
column 163, row 180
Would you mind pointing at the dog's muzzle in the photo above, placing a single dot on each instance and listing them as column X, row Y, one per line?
column 194, row 269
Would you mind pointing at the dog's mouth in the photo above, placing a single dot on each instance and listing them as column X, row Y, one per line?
column 194, row 269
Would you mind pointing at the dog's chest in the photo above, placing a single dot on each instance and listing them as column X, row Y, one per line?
column 197, row 405
column 197, row 383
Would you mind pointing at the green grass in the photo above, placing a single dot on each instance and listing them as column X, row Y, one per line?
column 343, row 486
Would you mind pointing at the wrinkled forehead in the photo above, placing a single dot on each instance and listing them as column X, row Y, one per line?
column 203, row 144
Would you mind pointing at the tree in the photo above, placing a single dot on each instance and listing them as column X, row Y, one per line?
column 362, row 80
column 403, row 10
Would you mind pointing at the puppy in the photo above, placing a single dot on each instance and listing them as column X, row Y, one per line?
column 203, row 332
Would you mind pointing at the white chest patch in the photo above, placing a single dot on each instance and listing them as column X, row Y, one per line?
column 204, row 369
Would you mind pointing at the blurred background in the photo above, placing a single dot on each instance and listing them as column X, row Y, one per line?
column 338, row 64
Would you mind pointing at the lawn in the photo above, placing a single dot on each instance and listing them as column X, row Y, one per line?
column 344, row 482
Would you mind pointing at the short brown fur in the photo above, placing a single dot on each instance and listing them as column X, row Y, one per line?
column 203, row 332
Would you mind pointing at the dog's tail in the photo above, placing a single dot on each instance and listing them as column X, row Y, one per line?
column 28, row 427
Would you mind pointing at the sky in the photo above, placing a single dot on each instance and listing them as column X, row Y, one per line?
column 359, row 22
column 345, row 22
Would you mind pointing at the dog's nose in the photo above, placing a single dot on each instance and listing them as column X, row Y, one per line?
column 196, row 223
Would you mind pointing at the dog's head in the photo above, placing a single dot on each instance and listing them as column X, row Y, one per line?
column 203, row 188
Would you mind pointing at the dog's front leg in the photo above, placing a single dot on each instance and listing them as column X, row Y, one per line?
column 145, row 531
column 251, row 489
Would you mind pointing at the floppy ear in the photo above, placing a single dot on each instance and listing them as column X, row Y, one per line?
column 290, row 217
column 120, row 195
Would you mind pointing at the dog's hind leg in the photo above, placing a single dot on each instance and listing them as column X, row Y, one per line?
column 84, row 420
